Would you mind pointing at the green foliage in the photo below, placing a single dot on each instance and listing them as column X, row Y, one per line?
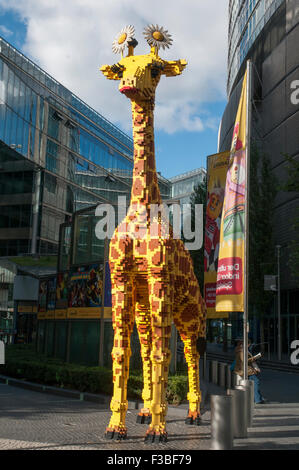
column 199, row 196
column 177, row 389
column 263, row 189
column 23, row 362
column 292, row 185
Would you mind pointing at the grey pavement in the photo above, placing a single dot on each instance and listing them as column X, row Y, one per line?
column 33, row 420
column 37, row 421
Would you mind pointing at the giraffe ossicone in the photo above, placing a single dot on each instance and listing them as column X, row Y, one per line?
column 152, row 277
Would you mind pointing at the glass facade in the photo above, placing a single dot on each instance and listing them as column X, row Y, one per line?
column 247, row 18
column 183, row 185
column 57, row 156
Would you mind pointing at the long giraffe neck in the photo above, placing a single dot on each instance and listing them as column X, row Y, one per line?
column 145, row 189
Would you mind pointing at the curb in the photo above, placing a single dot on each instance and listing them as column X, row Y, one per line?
column 75, row 394
column 97, row 398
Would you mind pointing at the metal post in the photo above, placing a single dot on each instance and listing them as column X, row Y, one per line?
column 221, row 374
column 278, row 304
column 221, row 422
column 250, row 385
column 214, row 372
column 35, row 210
column 246, row 231
column 247, row 402
column 239, row 412
column 102, row 319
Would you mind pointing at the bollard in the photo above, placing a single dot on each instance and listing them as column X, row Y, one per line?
column 221, row 422
column 228, row 377
column 2, row 353
column 250, row 384
column 221, row 374
column 247, row 402
column 234, row 380
column 207, row 371
column 214, row 372
column 238, row 412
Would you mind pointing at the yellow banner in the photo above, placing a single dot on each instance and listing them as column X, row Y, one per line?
column 230, row 271
column 60, row 314
column 216, row 177
column 49, row 315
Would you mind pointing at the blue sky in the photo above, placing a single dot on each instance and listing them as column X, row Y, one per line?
column 66, row 39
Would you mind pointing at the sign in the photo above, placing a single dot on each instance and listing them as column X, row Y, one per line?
column 25, row 288
column 230, row 272
column 216, row 177
column 270, row 283
column 85, row 291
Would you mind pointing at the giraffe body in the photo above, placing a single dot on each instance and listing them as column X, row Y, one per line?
column 152, row 277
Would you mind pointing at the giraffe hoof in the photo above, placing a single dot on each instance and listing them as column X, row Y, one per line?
column 196, row 420
column 116, row 435
column 144, row 419
column 153, row 437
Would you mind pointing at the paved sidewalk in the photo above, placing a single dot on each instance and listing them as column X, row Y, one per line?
column 41, row 421
column 275, row 427
column 32, row 420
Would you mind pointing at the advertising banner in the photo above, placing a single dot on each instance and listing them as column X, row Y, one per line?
column 230, row 271
column 61, row 296
column 43, row 291
column 85, row 291
column 216, row 178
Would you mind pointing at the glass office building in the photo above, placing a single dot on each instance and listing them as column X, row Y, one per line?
column 57, row 155
column 267, row 32
column 247, row 19
column 182, row 186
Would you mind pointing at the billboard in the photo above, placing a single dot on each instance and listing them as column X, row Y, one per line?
column 85, row 291
column 216, row 176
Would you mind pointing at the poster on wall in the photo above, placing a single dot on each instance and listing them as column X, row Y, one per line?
column 230, row 273
column 86, row 287
column 51, row 294
column 216, row 177
column 62, row 291
column 42, row 299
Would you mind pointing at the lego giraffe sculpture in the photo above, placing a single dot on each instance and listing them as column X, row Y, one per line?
column 153, row 281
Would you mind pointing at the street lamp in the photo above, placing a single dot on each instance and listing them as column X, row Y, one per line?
column 278, row 304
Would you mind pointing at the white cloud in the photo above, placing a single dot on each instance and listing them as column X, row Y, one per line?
column 70, row 39
column 5, row 31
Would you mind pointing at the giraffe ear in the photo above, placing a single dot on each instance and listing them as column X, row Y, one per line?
column 174, row 67
column 110, row 71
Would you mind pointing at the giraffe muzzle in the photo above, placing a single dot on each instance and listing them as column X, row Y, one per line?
column 128, row 89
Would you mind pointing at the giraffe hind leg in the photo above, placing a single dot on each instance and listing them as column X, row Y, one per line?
column 123, row 325
column 187, row 321
column 144, row 331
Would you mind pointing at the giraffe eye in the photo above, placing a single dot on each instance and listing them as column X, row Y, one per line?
column 119, row 69
column 156, row 68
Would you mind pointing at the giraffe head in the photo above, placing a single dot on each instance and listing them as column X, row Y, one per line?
column 139, row 75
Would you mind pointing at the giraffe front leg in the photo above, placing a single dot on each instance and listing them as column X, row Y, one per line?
column 121, row 352
column 144, row 331
column 188, row 320
column 194, row 395
column 160, row 357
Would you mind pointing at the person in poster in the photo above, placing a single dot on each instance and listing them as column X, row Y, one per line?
column 86, row 287
column 234, row 206
column 212, row 229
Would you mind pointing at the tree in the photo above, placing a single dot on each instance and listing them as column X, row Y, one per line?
column 292, row 185
column 199, row 196
column 263, row 189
